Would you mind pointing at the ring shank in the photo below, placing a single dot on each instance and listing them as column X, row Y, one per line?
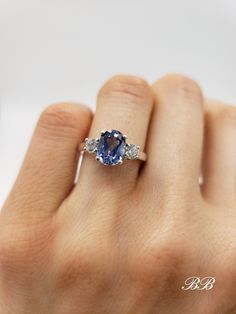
column 141, row 155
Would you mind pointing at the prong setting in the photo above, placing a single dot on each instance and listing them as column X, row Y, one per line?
column 120, row 162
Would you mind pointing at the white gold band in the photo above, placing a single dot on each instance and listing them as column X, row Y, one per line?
column 112, row 148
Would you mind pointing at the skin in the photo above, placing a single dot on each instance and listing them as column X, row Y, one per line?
column 124, row 239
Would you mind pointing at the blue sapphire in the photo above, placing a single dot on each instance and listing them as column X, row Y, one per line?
column 111, row 148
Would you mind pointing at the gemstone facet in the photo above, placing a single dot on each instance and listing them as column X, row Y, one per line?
column 111, row 148
column 132, row 151
column 91, row 145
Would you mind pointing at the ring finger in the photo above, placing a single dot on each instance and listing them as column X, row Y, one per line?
column 124, row 103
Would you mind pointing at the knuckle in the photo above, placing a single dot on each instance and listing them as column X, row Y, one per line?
column 135, row 89
column 225, row 266
column 22, row 250
column 181, row 84
column 13, row 253
column 227, row 115
column 57, row 115
column 161, row 262
column 60, row 119
column 87, row 263
column 227, row 261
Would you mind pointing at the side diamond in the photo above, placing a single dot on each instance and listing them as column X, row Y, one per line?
column 91, row 145
column 132, row 151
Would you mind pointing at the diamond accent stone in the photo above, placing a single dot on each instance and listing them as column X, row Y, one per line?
column 91, row 145
column 111, row 148
column 132, row 151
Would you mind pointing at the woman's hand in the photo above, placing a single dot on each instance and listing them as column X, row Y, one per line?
column 124, row 239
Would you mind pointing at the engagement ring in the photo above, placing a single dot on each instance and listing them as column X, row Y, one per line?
column 112, row 148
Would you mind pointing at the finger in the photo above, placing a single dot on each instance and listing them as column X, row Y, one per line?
column 124, row 103
column 175, row 139
column 48, row 171
column 219, row 162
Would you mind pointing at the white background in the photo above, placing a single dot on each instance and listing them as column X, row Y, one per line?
column 64, row 50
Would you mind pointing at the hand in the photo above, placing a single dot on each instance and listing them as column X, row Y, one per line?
column 124, row 239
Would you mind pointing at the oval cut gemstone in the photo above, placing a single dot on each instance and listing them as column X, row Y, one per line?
column 111, row 148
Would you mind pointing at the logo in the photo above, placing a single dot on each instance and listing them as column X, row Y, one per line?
column 197, row 283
